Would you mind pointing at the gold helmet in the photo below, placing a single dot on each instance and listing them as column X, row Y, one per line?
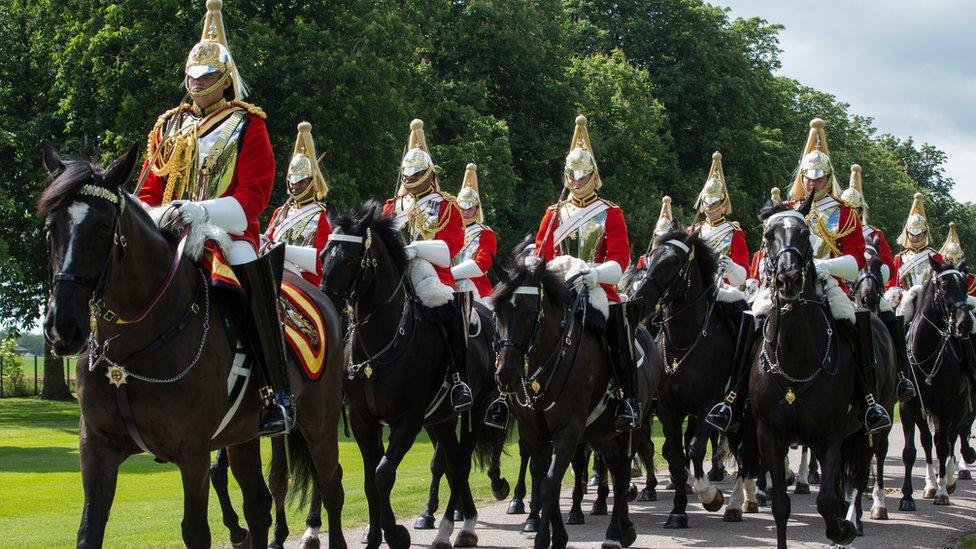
column 304, row 162
column 417, row 158
column 854, row 194
column 664, row 220
column 915, row 225
column 468, row 195
column 815, row 162
column 580, row 161
column 211, row 54
column 714, row 189
column 774, row 196
column 952, row 249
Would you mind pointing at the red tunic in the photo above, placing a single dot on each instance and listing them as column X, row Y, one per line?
column 484, row 257
column 895, row 279
column 452, row 233
column 972, row 284
column 253, row 177
column 755, row 267
column 739, row 252
column 613, row 246
column 322, row 232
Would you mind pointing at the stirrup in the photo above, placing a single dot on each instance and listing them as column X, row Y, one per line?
column 496, row 415
column 461, row 398
column 278, row 420
column 906, row 390
column 627, row 414
column 881, row 419
column 720, row 416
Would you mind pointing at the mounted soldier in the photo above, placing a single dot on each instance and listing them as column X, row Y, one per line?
column 855, row 198
column 725, row 237
column 663, row 225
column 837, row 244
column 209, row 161
column 912, row 266
column 429, row 220
column 301, row 222
column 592, row 229
column 472, row 263
column 951, row 250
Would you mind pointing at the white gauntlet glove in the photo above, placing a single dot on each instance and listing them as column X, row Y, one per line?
column 410, row 251
column 193, row 213
column 590, row 277
column 823, row 270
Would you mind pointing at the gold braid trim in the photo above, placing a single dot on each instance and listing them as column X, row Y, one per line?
column 253, row 109
column 176, row 168
column 830, row 237
column 417, row 219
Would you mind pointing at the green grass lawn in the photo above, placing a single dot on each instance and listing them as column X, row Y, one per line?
column 42, row 494
column 968, row 542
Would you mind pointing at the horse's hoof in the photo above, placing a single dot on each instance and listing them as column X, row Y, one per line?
column 517, row 507
column 311, row 542
column 530, row 526
column 845, row 534
column 244, row 543
column 676, row 522
column 628, row 536
column 969, row 454
column 273, row 544
column 801, row 488
column 879, row 513
column 859, row 529
column 761, row 500
column 717, row 474
column 632, row 492
column 594, row 480
column 441, row 544
column 906, row 504
column 940, row 500
column 929, row 493
column 751, row 507
column 716, row 503
column 611, row 544
column 398, row 537
column 647, row 494
column 732, row 515
column 501, row 492
column 576, row 517
column 813, row 477
column 466, row 539
column 458, row 516
column 599, row 508
column 424, row 522
column 951, row 488
column 964, row 475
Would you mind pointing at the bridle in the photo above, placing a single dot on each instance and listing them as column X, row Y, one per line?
column 366, row 264
column 867, row 274
column 947, row 318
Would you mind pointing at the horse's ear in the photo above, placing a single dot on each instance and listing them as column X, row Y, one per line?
column 120, row 169
column 875, row 241
column 807, row 204
column 935, row 264
column 367, row 220
column 52, row 161
column 693, row 235
column 674, row 226
column 963, row 267
column 332, row 214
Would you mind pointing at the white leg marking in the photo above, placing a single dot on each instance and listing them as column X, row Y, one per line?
column 951, row 468
column 929, row 476
column 706, row 492
column 750, row 487
column 941, row 490
column 879, row 498
column 444, row 531
column 469, row 524
column 803, row 471
column 736, row 497
column 310, row 534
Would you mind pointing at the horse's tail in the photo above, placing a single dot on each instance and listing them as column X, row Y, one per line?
column 488, row 442
column 301, row 468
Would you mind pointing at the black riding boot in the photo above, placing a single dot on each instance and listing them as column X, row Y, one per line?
column 457, row 339
column 620, row 340
column 896, row 328
column 261, row 279
column 875, row 416
column 725, row 413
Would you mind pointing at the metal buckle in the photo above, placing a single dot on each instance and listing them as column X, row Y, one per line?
column 109, row 315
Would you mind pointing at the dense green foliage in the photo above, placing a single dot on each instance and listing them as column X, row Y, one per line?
column 663, row 82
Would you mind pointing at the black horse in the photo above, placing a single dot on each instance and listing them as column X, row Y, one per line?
column 555, row 368
column 681, row 284
column 940, row 325
column 125, row 299
column 397, row 373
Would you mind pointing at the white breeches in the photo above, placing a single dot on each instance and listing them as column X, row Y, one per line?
column 241, row 251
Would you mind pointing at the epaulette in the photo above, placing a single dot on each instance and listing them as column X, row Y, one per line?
column 735, row 225
column 252, row 109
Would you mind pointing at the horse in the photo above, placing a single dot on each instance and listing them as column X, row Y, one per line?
column 940, row 324
column 156, row 347
column 868, row 293
column 397, row 373
column 554, row 368
column 681, row 283
column 802, row 378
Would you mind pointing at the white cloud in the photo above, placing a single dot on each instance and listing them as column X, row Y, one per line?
column 905, row 63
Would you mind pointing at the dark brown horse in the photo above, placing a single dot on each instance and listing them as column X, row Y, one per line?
column 940, row 325
column 156, row 348
column 556, row 371
column 397, row 374
column 681, row 283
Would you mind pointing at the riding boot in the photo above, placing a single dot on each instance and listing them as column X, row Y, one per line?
column 457, row 338
column 875, row 416
column 497, row 414
column 725, row 413
column 620, row 340
column 896, row 328
column 261, row 280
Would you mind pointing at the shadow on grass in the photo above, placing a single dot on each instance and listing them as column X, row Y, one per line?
column 61, row 459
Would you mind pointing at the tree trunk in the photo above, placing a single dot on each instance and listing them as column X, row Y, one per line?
column 55, row 386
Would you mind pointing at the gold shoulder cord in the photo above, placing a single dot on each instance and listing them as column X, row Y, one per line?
column 176, row 159
column 831, row 237
column 418, row 221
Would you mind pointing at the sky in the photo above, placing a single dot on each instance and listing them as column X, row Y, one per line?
column 908, row 64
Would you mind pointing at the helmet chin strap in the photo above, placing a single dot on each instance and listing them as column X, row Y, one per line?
column 209, row 89
column 303, row 196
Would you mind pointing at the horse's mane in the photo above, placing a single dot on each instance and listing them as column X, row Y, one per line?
column 66, row 183
column 707, row 260
column 552, row 284
column 381, row 227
